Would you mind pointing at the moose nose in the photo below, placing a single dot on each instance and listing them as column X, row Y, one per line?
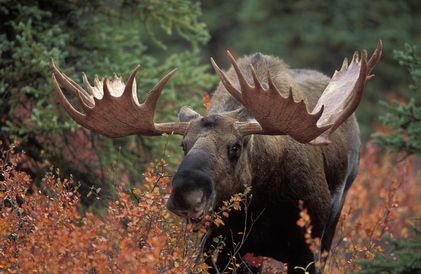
column 192, row 187
column 187, row 205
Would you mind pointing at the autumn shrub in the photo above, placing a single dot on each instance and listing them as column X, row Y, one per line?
column 404, row 137
column 41, row 229
column 381, row 203
column 46, row 233
column 379, row 206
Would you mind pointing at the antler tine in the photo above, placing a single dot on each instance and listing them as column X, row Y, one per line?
column 92, row 90
column 227, row 83
column 344, row 92
column 106, row 92
column 85, row 100
column 153, row 96
column 113, row 109
column 258, row 87
column 351, row 102
column 71, row 86
column 247, row 91
column 374, row 59
column 130, row 89
column 74, row 114
column 345, row 63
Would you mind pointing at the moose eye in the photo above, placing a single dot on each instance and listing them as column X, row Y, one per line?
column 234, row 152
column 235, row 149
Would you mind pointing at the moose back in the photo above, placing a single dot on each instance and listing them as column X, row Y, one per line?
column 289, row 134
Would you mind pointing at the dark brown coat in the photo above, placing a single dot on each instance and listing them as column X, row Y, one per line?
column 219, row 162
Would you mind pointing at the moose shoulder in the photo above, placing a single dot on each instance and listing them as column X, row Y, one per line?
column 289, row 134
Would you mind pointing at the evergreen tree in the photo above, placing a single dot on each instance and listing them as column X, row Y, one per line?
column 99, row 38
column 404, row 257
column 405, row 118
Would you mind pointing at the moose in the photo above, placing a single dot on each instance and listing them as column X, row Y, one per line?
column 289, row 134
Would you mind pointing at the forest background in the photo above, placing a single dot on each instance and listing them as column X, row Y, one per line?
column 102, row 37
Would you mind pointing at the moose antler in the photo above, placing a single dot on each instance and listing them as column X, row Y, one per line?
column 112, row 108
column 276, row 115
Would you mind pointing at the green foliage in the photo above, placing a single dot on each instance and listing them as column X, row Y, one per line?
column 404, row 257
column 410, row 60
column 405, row 118
column 179, row 14
column 100, row 38
column 318, row 35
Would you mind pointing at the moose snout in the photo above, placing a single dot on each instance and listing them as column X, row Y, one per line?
column 190, row 194
column 190, row 206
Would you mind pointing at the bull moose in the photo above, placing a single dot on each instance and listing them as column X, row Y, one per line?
column 290, row 134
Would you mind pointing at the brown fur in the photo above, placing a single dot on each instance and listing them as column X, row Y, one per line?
column 280, row 171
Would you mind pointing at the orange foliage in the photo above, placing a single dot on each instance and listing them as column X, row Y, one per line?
column 206, row 99
column 47, row 234
column 41, row 229
column 380, row 203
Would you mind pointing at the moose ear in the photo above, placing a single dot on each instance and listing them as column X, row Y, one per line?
column 187, row 114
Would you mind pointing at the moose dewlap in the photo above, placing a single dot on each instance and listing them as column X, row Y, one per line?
column 290, row 134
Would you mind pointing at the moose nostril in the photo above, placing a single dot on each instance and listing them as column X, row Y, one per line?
column 184, row 213
column 195, row 198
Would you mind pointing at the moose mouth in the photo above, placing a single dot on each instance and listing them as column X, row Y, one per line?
column 197, row 220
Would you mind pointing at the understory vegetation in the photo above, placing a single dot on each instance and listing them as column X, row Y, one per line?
column 42, row 229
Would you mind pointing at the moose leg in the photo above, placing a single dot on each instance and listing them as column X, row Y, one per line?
column 331, row 226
